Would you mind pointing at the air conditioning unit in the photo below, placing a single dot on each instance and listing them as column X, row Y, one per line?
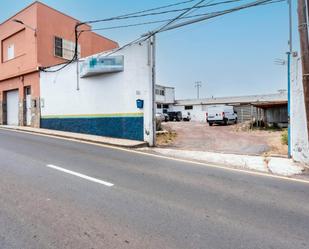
column 101, row 65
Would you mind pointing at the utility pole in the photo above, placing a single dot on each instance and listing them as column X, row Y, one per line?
column 304, row 47
column 153, row 127
column 307, row 7
column 289, row 54
column 198, row 84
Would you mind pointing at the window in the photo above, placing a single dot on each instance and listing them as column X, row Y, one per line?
column 28, row 90
column 10, row 52
column 58, row 47
column 64, row 48
column 165, row 106
column 188, row 107
column 159, row 106
column 160, row 92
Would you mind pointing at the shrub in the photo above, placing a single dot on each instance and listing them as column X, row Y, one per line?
column 284, row 137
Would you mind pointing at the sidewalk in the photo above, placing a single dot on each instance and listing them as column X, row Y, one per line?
column 273, row 165
column 126, row 143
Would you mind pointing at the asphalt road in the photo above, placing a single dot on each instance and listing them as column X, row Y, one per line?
column 154, row 202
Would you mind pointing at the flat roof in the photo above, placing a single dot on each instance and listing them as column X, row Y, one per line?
column 165, row 86
column 280, row 97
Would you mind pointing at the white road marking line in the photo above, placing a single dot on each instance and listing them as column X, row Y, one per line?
column 89, row 178
column 209, row 165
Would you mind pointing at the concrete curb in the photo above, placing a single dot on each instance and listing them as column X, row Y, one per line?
column 79, row 137
column 272, row 165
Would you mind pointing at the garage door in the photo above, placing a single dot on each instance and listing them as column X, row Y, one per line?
column 12, row 107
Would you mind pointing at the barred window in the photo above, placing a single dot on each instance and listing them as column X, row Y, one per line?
column 65, row 49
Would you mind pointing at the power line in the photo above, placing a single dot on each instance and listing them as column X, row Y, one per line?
column 161, row 21
column 140, row 24
column 134, row 15
column 139, row 14
column 156, row 31
column 212, row 15
column 75, row 56
column 170, row 21
column 207, row 16
column 219, row 13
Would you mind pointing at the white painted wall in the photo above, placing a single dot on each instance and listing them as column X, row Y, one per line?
column 299, row 135
column 198, row 113
column 169, row 95
column 102, row 94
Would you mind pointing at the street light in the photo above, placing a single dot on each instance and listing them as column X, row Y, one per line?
column 22, row 23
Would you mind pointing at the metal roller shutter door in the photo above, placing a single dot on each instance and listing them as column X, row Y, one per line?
column 12, row 107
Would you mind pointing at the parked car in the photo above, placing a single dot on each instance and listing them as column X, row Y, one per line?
column 186, row 116
column 166, row 117
column 221, row 114
column 174, row 116
column 160, row 116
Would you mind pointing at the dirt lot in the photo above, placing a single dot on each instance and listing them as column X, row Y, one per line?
column 227, row 139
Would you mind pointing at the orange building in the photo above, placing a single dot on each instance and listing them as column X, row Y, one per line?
column 37, row 36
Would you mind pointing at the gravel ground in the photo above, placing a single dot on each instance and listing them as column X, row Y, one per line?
column 201, row 137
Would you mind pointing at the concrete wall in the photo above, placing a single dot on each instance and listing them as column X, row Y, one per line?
column 105, row 104
column 299, row 135
column 168, row 97
column 198, row 113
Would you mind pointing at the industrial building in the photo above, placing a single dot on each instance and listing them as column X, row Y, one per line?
column 271, row 109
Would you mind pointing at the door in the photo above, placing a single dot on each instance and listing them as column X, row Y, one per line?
column 12, row 107
column 28, row 105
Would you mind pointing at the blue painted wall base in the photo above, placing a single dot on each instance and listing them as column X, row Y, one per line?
column 118, row 127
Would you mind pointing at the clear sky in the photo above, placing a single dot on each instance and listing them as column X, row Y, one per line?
column 232, row 54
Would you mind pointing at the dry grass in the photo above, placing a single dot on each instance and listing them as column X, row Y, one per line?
column 166, row 138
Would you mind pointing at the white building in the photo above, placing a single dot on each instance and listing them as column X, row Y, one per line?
column 110, row 96
column 247, row 107
column 165, row 98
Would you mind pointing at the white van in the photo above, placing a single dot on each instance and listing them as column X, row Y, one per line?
column 221, row 114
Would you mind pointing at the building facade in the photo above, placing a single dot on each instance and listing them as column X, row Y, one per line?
column 111, row 96
column 165, row 98
column 37, row 36
column 271, row 108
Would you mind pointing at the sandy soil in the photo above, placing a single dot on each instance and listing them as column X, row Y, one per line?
column 226, row 139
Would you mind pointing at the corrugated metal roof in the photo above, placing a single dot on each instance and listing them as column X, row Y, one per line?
column 280, row 97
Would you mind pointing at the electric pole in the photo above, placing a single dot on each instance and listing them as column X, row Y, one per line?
column 198, row 85
column 304, row 47
column 153, row 126
column 289, row 54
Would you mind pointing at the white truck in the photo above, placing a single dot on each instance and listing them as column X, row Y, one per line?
column 221, row 114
